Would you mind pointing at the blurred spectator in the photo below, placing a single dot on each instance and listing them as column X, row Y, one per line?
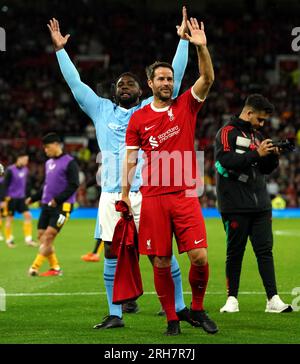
column 278, row 202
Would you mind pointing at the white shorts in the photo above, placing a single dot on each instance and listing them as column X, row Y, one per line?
column 109, row 216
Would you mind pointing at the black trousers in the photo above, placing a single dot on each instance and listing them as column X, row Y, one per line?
column 258, row 227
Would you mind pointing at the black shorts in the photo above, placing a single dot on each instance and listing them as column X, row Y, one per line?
column 16, row 205
column 55, row 217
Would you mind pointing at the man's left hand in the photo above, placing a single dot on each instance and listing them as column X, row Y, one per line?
column 197, row 37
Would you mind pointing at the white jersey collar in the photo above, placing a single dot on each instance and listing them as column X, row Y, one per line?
column 156, row 109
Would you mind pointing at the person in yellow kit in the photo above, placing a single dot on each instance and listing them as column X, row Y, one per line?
column 1, row 198
column 278, row 202
column 15, row 190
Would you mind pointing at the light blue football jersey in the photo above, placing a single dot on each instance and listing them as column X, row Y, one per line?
column 111, row 120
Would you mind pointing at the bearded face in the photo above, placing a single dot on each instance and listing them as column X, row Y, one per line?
column 128, row 92
column 162, row 84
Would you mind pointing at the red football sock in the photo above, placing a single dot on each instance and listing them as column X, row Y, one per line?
column 198, row 278
column 164, row 286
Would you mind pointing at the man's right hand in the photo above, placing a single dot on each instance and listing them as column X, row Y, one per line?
column 58, row 40
column 128, row 202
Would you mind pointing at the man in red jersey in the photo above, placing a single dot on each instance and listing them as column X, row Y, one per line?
column 165, row 131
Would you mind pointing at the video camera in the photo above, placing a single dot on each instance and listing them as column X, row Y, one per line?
column 286, row 145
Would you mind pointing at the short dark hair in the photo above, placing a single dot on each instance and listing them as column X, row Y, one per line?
column 129, row 74
column 150, row 70
column 22, row 153
column 51, row 138
column 259, row 103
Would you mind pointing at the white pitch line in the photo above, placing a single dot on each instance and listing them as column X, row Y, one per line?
column 104, row 293
column 287, row 232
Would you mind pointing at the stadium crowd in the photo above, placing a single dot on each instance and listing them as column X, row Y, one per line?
column 244, row 46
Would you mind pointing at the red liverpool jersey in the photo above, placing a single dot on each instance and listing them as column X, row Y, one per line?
column 166, row 136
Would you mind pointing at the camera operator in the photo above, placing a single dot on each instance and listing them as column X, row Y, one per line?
column 243, row 158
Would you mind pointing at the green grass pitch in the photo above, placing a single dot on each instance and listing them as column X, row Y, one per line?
column 64, row 309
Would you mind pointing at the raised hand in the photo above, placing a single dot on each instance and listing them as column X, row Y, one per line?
column 197, row 36
column 58, row 40
column 183, row 28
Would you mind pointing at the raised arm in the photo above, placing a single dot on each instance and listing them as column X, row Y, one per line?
column 206, row 79
column 84, row 95
column 180, row 59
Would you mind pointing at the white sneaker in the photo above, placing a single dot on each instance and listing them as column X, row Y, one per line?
column 10, row 240
column 32, row 243
column 231, row 305
column 275, row 305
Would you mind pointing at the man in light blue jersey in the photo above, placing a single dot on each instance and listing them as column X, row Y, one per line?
column 111, row 121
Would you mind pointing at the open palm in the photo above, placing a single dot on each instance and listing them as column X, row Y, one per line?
column 58, row 40
column 197, row 36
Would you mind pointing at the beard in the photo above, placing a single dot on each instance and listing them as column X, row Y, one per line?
column 125, row 102
column 162, row 96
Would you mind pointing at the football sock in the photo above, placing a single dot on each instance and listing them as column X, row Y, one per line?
column 27, row 229
column 198, row 278
column 164, row 286
column 176, row 275
column 53, row 262
column 109, row 276
column 8, row 234
column 39, row 260
column 97, row 246
column 1, row 224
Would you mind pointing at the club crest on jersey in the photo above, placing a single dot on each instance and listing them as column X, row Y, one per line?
column 171, row 115
column 149, row 244
column 153, row 142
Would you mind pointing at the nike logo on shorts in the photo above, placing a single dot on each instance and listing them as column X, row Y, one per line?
column 198, row 241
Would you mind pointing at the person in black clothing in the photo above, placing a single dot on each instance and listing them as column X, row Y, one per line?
column 243, row 158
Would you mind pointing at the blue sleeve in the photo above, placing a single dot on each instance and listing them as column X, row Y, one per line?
column 179, row 64
column 84, row 95
column 147, row 101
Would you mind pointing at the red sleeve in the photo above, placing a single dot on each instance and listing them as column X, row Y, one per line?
column 132, row 134
column 193, row 102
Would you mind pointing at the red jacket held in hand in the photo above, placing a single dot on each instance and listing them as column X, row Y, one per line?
column 128, row 282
